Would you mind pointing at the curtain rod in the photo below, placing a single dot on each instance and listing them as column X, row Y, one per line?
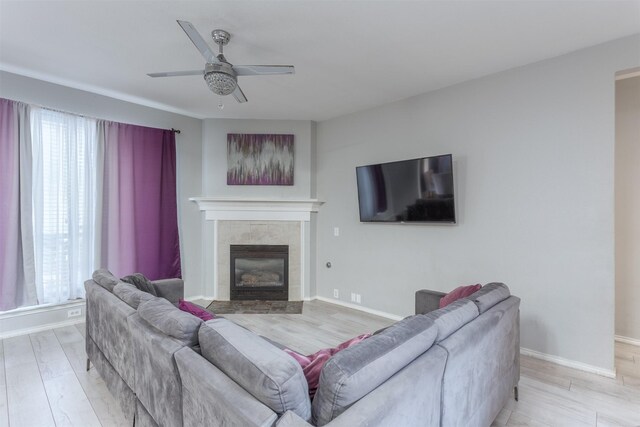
column 57, row 110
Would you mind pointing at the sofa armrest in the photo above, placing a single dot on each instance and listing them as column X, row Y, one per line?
column 291, row 419
column 427, row 300
column 169, row 289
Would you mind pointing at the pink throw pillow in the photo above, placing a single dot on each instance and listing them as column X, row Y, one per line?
column 459, row 292
column 195, row 309
column 312, row 364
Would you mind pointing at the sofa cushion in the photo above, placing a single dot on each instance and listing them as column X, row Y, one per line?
column 263, row 370
column 104, row 278
column 167, row 318
column 452, row 317
column 357, row 370
column 141, row 282
column 490, row 295
column 131, row 295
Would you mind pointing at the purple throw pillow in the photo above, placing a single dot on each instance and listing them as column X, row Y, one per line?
column 195, row 309
column 457, row 293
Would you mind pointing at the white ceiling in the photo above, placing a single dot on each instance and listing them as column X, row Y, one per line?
column 349, row 55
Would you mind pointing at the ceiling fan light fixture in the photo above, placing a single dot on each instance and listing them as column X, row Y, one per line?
column 220, row 75
column 220, row 83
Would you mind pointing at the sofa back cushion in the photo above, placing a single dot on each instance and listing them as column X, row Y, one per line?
column 104, row 278
column 452, row 317
column 490, row 295
column 167, row 318
column 357, row 370
column 131, row 295
column 266, row 372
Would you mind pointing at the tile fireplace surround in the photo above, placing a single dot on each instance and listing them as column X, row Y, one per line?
column 256, row 222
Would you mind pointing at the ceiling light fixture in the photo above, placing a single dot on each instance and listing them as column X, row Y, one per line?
column 220, row 78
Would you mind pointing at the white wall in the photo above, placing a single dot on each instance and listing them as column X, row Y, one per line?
column 628, row 208
column 188, row 143
column 533, row 155
column 214, row 151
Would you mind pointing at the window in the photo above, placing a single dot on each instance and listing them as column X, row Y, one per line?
column 64, row 199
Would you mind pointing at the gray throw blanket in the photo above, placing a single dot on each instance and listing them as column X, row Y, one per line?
column 139, row 281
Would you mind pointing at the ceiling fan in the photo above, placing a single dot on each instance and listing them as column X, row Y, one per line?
column 220, row 75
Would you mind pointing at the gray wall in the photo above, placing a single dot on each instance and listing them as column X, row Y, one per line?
column 214, row 174
column 533, row 155
column 214, row 151
column 628, row 208
column 188, row 142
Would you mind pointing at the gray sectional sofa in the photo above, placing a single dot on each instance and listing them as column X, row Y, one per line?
column 454, row 366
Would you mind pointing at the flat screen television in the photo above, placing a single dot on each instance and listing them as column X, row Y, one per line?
column 416, row 190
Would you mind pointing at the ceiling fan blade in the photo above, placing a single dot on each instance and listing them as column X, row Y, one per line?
column 177, row 73
column 239, row 95
column 261, row 70
column 198, row 41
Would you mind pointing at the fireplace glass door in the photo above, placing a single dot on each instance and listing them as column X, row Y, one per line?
column 259, row 272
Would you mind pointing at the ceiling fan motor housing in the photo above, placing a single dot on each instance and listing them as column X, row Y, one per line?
column 220, row 78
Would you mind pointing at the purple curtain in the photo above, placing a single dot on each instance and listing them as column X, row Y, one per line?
column 139, row 230
column 17, row 271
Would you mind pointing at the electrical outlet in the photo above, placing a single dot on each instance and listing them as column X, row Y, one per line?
column 74, row 312
column 353, row 297
column 336, row 294
column 336, row 231
column 358, row 299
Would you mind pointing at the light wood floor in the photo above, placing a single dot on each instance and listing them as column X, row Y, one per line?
column 43, row 381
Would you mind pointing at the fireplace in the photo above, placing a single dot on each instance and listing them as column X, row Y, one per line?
column 259, row 272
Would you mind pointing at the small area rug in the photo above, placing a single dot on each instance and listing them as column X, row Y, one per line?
column 255, row 307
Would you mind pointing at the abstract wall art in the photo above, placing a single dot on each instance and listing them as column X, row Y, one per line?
column 259, row 159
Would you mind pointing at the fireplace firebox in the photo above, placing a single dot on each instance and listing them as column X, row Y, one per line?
column 259, row 272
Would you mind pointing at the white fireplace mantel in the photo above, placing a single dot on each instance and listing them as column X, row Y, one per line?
column 226, row 209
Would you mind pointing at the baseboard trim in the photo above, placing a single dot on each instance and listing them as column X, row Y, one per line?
column 627, row 340
column 359, row 307
column 568, row 363
column 197, row 297
column 36, row 309
column 41, row 328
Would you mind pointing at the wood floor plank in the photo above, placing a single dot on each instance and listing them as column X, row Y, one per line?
column 4, row 407
column 82, row 328
column 104, row 405
column 607, row 420
column 552, row 405
column 52, row 361
column 624, row 405
column 631, row 381
column 72, row 343
column 519, row 420
column 69, row 403
column 26, row 396
column 545, row 377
